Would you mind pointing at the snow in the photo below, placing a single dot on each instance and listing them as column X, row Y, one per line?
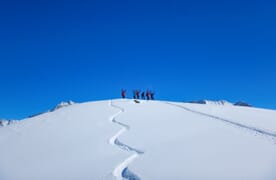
column 58, row 106
column 63, row 104
column 121, row 139
column 242, row 103
column 5, row 122
column 70, row 143
column 180, row 144
column 221, row 103
column 262, row 119
column 210, row 102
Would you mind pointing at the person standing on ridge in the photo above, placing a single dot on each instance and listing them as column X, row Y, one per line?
column 134, row 94
column 143, row 95
column 152, row 95
column 148, row 95
column 123, row 93
column 137, row 94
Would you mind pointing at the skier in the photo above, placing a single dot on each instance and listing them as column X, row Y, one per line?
column 143, row 95
column 123, row 93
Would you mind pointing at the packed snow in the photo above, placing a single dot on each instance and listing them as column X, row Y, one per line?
column 148, row 140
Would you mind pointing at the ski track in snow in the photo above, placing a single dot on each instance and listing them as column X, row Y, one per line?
column 257, row 131
column 121, row 172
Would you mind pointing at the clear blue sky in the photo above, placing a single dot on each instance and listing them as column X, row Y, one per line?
column 88, row 50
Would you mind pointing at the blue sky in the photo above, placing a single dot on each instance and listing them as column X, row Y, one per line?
column 88, row 50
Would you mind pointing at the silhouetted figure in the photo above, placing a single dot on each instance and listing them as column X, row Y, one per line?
column 152, row 95
column 134, row 94
column 143, row 95
column 137, row 94
column 148, row 95
column 123, row 93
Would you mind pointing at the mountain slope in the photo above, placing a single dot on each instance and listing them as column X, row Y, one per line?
column 70, row 143
column 148, row 140
column 180, row 144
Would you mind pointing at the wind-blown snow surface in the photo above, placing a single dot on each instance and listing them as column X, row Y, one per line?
column 148, row 140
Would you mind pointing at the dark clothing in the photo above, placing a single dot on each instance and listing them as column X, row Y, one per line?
column 152, row 96
column 134, row 95
column 148, row 95
column 137, row 94
column 123, row 93
column 143, row 95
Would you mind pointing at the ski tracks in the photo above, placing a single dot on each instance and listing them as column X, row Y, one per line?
column 122, row 172
column 257, row 131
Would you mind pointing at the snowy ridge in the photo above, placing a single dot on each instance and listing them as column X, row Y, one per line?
column 122, row 172
column 4, row 122
column 209, row 102
column 254, row 129
column 241, row 103
column 100, row 140
column 58, row 106
column 219, row 103
column 62, row 104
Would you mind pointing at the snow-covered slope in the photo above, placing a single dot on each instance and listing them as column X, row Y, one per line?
column 152, row 140
column 69, row 143
column 62, row 105
column 5, row 122
column 209, row 102
column 221, row 103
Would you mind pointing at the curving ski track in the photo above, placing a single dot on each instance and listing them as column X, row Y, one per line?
column 121, row 172
column 250, row 128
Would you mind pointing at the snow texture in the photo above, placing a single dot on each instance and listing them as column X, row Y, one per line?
column 122, row 171
column 124, row 140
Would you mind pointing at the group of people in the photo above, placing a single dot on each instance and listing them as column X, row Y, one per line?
column 137, row 94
